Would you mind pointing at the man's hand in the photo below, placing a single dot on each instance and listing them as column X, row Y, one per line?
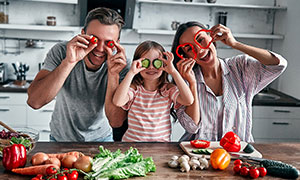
column 79, row 47
column 116, row 63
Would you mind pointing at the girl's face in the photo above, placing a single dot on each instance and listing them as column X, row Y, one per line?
column 151, row 73
column 204, row 56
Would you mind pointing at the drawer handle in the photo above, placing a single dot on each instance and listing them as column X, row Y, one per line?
column 4, row 97
column 4, row 110
column 282, row 111
column 281, row 123
column 47, row 110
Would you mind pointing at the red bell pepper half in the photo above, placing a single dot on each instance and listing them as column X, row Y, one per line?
column 197, row 143
column 14, row 156
column 231, row 142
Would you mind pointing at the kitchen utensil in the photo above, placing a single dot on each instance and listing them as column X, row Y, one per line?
column 188, row 148
column 175, row 25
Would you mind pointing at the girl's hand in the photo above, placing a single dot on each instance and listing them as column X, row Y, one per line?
column 79, row 47
column 136, row 66
column 185, row 68
column 168, row 63
column 223, row 33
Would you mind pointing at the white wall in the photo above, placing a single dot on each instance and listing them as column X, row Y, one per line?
column 289, row 24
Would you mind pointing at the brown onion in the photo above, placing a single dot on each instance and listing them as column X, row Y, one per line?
column 84, row 163
column 53, row 160
column 68, row 161
column 39, row 158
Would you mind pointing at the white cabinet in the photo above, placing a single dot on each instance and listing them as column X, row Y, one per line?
column 177, row 131
column 276, row 123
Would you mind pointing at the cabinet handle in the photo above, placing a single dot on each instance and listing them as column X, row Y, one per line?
column 281, row 123
column 4, row 110
column 47, row 110
column 4, row 97
column 282, row 111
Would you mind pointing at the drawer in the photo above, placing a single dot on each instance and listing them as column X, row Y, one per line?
column 277, row 112
column 40, row 117
column 14, row 116
column 276, row 128
column 13, row 98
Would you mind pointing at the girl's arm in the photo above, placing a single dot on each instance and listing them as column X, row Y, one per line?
column 185, row 96
column 121, row 95
column 262, row 55
column 185, row 68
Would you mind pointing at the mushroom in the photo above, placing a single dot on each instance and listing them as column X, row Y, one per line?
column 194, row 163
column 174, row 158
column 184, row 158
column 173, row 164
column 203, row 163
column 185, row 167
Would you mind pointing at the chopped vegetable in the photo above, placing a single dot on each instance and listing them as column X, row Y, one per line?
column 157, row 63
column 94, row 40
column 145, row 63
column 249, row 148
column 110, row 44
column 231, row 142
column 197, row 143
column 220, row 159
column 202, row 151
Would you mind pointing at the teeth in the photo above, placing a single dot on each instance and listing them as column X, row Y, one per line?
column 97, row 55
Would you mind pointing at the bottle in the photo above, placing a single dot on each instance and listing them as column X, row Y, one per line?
column 222, row 18
column 4, row 12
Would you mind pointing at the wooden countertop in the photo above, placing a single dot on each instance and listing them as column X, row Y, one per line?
column 161, row 154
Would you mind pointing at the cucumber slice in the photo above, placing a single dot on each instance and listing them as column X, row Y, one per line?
column 145, row 63
column 202, row 151
column 157, row 63
column 249, row 148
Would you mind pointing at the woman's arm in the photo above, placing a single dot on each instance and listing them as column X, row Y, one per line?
column 262, row 55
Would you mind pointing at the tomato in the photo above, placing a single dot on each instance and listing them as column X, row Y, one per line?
column 237, row 168
column 39, row 176
column 73, row 175
column 254, row 173
column 51, row 170
column 110, row 44
column 244, row 171
column 35, row 178
column 53, row 179
column 62, row 177
column 197, row 143
column 238, row 162
column 262, row 171
column 94, row 40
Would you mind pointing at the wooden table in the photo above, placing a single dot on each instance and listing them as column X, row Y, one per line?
column 161, row 154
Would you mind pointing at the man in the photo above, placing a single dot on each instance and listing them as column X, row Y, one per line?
column 83, row 77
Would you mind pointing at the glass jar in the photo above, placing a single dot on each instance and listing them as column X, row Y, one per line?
column 51, row 21
column 4, row 12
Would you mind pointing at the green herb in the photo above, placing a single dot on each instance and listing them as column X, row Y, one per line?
column 21, row 140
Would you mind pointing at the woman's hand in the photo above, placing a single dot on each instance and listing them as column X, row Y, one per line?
column 185, row 68
column 223, row 33
column 79, row 47
column 168, row 63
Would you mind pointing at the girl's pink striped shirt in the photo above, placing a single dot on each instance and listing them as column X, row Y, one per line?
column 149, row 114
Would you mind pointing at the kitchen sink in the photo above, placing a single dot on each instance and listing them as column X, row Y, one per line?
column 266, row 96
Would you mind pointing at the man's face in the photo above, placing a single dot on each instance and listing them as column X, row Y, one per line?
column 103, row 33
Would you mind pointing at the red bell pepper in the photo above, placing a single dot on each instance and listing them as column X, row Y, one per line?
column 231, row 142
column 197, row 143
column 14, row 156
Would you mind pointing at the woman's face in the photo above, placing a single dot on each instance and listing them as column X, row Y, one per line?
column 151, row 73
column 204, row 56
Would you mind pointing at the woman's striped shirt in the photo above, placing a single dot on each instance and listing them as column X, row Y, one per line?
column 149, row 114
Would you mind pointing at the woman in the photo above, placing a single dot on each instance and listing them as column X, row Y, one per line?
column 223, row 89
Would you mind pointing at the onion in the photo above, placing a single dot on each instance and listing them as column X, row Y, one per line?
column 39, row 158
column 84, row 163
column 68, row 161
column 53, row 160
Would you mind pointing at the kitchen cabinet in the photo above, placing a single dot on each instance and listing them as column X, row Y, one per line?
column 276, row 123
column 259, row 24
column 15, row 112
column 57, row 1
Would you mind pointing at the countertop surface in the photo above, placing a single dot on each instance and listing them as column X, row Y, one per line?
column 161, row 154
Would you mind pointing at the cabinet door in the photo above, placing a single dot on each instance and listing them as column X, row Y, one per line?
column 177, row 131
column 13, row 98
column 276, row 112
column 40, row 117
column 13, row 115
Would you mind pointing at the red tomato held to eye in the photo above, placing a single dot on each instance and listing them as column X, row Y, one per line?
column 94, row 40
column 254, row 173
column 197, row 143
column 51, row 170
column 262, row 171
column 73, row 175
column 62, row 177
column 110, row 44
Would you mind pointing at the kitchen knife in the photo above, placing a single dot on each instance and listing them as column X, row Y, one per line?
column 274, row 168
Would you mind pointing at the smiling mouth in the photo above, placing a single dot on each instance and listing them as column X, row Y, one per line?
column 151, row 72
column 206, row 57
column 98, row 55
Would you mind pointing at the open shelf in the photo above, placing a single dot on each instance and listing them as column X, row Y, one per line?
column 212, row 5
column 39, row 27
column 237, row 35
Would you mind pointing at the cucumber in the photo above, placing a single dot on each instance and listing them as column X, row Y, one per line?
column 157, row 63
column 145, row 63
column 249, row 148
column 202, row 151
column 283, row 172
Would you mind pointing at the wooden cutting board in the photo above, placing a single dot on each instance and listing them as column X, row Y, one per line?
column 188, row 148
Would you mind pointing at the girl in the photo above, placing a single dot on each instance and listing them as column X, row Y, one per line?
column 148, row 96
